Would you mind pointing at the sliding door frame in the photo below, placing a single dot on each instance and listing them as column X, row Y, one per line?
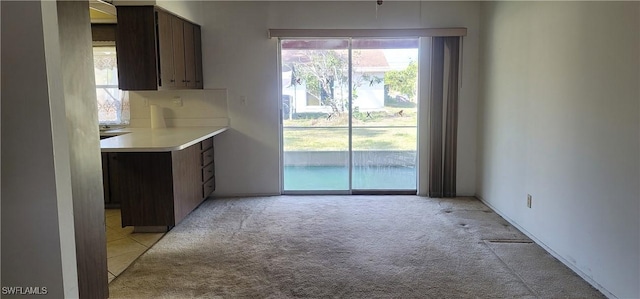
column 281, row 130
column 350, row 190
column 391, row 34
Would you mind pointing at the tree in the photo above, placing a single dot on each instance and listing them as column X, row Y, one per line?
column 403, row 82
column 326, row 71
column 323, row 71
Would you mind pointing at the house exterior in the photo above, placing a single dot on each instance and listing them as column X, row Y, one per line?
column 369, row 64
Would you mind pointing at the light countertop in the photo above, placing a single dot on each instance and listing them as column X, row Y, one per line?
column 155, row 140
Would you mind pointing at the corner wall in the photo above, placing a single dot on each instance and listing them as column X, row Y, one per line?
column 76, row 59
column 559, row 119
column 238, row 55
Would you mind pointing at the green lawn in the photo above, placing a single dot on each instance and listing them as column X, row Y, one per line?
column 389, row 117
column 328, row 134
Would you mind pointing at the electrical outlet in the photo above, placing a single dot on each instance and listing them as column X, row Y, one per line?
column 243, row 100
column 177, row 101
column 529, row 201
column 145, row 102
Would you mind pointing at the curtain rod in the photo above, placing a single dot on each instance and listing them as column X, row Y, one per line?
column 411, row 32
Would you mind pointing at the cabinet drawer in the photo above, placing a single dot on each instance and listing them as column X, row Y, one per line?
column 207, row 172
column 207, row 157
column 206, row 144
column 208, row 187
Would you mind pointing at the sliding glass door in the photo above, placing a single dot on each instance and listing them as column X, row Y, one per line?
column 315, row 115
column 349, row 115
column 384, row 123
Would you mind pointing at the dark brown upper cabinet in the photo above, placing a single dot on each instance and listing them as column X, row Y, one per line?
column 103, row 32
column 157, row 50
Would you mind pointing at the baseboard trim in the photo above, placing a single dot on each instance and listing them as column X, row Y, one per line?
column 571, row 266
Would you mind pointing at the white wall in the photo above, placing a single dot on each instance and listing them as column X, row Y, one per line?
column 559, row 119
column 238, row 55
column 38, row 241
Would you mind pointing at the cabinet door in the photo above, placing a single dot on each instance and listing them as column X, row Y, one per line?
column 197, row 43
column 157, row 50
column 136, row 48
column 189, row 55
column 177, row 25
column 187, row 182
column 114, row 177
column 165, row 50
column 143, row 182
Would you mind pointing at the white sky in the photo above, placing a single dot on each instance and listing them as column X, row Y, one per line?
column 399, row 58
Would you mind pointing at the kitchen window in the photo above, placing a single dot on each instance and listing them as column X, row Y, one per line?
column 113, row 103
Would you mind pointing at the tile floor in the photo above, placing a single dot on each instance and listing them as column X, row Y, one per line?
column 123, row 245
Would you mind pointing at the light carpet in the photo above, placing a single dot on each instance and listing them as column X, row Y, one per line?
column 347, row 247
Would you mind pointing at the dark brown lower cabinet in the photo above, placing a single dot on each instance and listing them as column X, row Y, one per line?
column 208, row 182
column 110, row 202
column 158, row 188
